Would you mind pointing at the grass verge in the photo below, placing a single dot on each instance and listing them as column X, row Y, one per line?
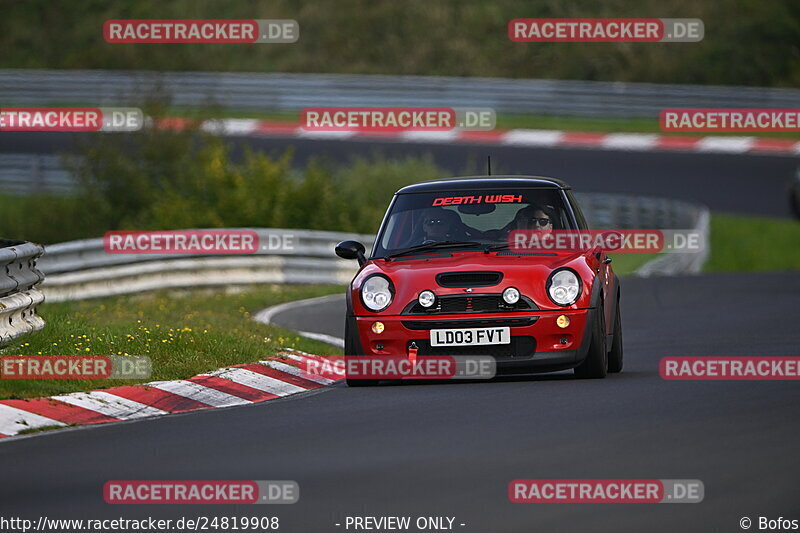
column 625, row 264
column 755, row 244
column 738, row 244
column 184, row 334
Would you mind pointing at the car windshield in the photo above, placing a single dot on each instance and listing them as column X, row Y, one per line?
column 484, row 217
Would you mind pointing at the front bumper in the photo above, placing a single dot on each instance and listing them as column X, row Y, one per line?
column 538, row 344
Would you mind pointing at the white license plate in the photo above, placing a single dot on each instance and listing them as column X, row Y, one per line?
column 470, row 336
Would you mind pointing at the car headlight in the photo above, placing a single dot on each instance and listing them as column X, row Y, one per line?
column 376, row 293
column 426, row 298
column 564, row 287
column 511, row 295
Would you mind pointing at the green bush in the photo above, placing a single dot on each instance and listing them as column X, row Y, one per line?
column 159, row 179
column 56, row 218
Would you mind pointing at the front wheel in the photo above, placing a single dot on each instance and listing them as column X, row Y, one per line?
column 596, row 363
column 615, row 355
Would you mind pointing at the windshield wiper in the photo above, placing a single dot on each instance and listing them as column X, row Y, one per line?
column 433, row 246
column 496, row 247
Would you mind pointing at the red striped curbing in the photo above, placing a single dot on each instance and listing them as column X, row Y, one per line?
column 157, row 398
column 576, row 138
column 275, row 377
column 278, row 374
column 513, row 137
column 231, row 388
column 775, row 145
column 63, row 412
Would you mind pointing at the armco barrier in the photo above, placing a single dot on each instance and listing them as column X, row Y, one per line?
column 19, row 295
column 23, row 174
column 621, row 211
column 289, row 92
column 672, row 264
column 642, row 212
column 82, row 269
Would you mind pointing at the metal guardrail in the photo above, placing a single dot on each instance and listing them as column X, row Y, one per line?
column 616, row 211
column 82, row 269
column 681, row 263
column 286, row 92
column 620, row 211
column 19, row 295
column 24, row 174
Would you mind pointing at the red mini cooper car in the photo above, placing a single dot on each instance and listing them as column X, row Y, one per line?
column 443, row 279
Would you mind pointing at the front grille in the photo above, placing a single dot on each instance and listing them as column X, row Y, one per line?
column 469, row 279
column 486, row 323
column 518, row 348
column 476, row 303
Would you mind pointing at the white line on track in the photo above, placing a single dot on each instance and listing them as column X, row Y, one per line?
column 265, row 316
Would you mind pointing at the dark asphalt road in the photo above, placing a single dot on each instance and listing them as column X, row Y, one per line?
column 451, row 449
column 742, row 183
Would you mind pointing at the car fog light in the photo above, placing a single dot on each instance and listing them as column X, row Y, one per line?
column 426, row 298
column 562, row 321
column 511, row 295
column 377, row 327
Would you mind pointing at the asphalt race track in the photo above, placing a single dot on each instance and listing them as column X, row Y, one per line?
column 738, row 183
column 450, row 449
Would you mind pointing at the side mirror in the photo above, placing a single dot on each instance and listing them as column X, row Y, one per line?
column 613, row 242
column 351, row 250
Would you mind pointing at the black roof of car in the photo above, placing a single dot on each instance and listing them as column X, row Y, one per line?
column 484, row 182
